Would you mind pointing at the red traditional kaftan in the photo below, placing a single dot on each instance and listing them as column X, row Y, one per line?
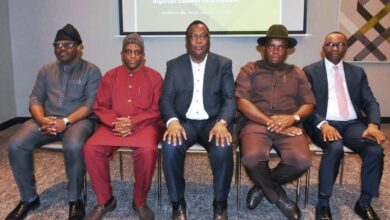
column 122, row 94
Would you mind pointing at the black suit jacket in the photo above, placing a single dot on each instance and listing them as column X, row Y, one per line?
column 363, row 100
column 218, row 88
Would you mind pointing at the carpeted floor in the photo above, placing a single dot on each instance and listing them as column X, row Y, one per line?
column 51, row 183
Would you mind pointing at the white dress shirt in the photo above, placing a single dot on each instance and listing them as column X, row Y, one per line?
column 333, row 112
column 196, row 111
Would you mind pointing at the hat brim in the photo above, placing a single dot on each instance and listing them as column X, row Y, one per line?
column 291, row 42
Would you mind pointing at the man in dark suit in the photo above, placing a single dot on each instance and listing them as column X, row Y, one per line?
column 198, row 106
column 347, row 113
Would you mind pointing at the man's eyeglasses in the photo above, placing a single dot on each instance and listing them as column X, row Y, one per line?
column 198, row 36
column 67, row 45
column 336, row 44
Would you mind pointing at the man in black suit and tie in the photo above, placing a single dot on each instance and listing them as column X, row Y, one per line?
column 347, row 113
column 198, row 106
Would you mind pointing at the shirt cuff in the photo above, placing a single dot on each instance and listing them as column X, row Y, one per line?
column 171, row 119
column 320, row 124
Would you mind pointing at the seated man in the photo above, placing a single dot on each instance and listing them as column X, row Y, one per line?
column 343, row 96
column 273, row 97
column 127, row 106
column 198, row 105
column 61, row 106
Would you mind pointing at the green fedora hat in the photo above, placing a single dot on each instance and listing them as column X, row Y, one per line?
column 277, row 31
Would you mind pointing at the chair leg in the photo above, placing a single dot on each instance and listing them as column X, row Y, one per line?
column 85, row 190
column 238, row 177
column 159, row 161
column 297, row 192
column 342, row 171
column 120, row 165
column 307, row 187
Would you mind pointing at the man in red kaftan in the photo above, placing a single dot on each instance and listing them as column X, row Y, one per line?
column 127, row 106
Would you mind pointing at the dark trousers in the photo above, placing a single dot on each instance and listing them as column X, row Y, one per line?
column 255, row 144
column 20, row 153
column 370, row 152
column 221, row 159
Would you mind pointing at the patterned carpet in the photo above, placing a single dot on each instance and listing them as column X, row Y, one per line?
column 51, row 183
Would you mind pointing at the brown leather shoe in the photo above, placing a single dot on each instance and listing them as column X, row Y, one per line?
column 22, row 209
column 99, row 211
column 144, row 212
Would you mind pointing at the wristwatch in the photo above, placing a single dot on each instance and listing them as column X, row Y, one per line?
column 297, row 118
column 67, row 122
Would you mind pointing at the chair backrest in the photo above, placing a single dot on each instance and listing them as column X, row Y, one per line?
column 125, row 149
column 316, row 149
column 347, row 150
column 196, row 148
column 53, row 146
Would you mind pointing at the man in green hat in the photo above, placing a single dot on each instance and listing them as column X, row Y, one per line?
column 272, row 98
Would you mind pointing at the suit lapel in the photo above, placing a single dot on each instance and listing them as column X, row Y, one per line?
column 188, row 75
column 208, row 74
column 323, row 79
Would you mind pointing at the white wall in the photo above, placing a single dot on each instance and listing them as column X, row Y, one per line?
column 7, row 94
column 33, row 25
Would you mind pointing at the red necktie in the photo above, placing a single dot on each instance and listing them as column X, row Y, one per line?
column 340, row 93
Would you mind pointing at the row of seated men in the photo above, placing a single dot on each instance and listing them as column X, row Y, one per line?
column 196, row 103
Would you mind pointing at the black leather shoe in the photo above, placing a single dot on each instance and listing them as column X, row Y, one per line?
column 179, row 210
column 366, row 212
column 323, row 213
column 254, row 197
column 76, row 210
column 288, row 207
column 144, row 212
column 22, row 209
column 220, row 210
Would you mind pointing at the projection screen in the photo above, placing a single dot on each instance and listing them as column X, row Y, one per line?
column 223, row 17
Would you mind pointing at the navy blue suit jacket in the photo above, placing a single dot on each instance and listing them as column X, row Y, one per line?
column 218, row 88
column 363, row 100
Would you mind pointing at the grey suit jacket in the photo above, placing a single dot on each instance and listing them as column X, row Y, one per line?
column 363, row 100
column 218, row 89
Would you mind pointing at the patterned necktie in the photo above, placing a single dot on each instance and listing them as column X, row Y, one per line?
column 340, row 93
